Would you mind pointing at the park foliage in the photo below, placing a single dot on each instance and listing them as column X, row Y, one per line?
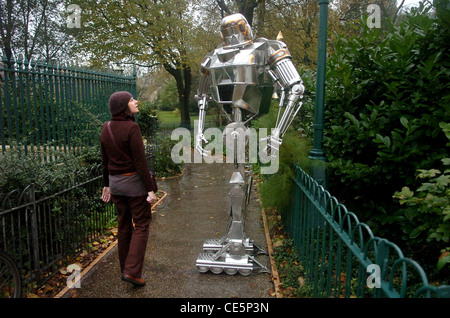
column 386, row 119
column 387, row 107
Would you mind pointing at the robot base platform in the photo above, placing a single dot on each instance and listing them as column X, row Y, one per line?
column 214, row 245
column 244, row 264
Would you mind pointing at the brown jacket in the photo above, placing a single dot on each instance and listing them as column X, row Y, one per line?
column 131, row 157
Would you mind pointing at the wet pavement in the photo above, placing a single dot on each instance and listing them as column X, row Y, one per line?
column 196, row 208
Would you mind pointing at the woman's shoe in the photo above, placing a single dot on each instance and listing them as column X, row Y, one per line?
column 135, row 281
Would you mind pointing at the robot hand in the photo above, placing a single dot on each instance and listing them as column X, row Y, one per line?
column 199, row 138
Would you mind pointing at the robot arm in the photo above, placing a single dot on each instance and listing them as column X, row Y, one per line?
column 284, row 73
column 202, row 98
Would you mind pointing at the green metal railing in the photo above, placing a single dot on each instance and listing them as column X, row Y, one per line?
column 340, row 254
column 40, row 231
column 54, row 106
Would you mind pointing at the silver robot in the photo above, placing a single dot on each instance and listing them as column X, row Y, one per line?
column 241, row 75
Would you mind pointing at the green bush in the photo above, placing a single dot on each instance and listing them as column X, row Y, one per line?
column 304, row 121
column 387, row 92
column 17, row 171
column 168, row 97
column 276, row 189
column 428, row 210
column 426, row 217
column 163, row 164
column 148, row 120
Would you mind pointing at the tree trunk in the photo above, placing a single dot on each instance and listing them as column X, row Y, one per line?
column 245, row 7
column 186, row 118
column 183, row 78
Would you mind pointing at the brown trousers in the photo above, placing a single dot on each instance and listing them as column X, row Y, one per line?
column 132, row 241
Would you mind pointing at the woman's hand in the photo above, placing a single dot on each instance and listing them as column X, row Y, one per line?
column 151, row 197
column 106, row 195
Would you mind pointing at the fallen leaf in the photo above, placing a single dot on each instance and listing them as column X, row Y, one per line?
column 301, row 282
column 278, row 243
column 48, row 288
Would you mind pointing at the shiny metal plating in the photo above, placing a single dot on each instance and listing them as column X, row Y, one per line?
column 241, row 75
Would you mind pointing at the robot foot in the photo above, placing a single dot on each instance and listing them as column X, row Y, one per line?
column 245, row 264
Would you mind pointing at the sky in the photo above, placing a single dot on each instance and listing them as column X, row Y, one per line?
column 409, row 3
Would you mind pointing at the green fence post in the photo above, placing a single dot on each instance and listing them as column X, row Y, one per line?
column 133, row 89
column 317, row 154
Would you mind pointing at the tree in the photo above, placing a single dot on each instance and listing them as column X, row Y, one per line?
column 151, row 33
column 34, row 28
column 298, row 21
column 245, row 7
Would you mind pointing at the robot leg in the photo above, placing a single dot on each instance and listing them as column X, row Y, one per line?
column 233, row 252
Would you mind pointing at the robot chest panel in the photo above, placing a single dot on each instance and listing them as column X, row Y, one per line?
column 245, row 66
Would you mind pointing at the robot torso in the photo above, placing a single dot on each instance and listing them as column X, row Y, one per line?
column 239, row 76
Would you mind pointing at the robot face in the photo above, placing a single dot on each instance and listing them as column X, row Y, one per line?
column 235, row 30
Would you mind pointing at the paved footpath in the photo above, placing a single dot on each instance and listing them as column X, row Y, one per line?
column 195, row 209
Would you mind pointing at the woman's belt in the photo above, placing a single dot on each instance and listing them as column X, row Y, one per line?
column 128, row 174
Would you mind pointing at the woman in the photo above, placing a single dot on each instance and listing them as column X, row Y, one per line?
column 127, row 182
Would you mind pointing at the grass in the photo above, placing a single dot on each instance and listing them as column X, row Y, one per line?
column 169, row 117
column 173, row 118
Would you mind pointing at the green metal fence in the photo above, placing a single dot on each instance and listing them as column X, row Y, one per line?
column 340, row 254
column 40, row 231
column 54, row 106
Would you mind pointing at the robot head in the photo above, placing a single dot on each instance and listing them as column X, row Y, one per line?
column 235, row 30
